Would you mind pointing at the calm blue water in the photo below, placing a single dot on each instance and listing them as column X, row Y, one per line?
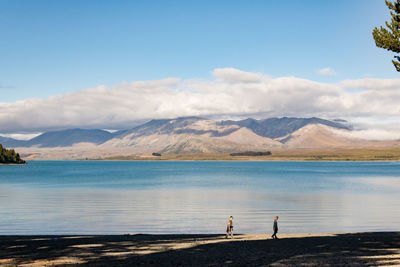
column 118, row 197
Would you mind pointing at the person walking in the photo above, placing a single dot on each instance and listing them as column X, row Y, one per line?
column 229, row 227
column 275, row 228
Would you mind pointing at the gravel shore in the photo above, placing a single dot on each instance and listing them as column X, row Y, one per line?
column 340, row 249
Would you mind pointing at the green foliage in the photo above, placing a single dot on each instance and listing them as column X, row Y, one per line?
column 389, row 38
column 10, row 156
column 252, row 153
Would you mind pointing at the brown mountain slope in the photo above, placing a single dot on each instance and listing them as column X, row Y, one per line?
column 248, row 137
column 203, row 136
column 317, row 136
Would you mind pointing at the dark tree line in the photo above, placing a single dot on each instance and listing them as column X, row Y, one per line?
column 252, row 153
column 10, row 156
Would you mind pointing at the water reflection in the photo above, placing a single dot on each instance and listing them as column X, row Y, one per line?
column 385, row 183
column 103, row 211
column 198, row 197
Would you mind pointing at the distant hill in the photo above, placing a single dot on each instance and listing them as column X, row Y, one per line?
column 278, row 127
column 11, row 142
column 188, row 135
column 163, row 126
column 199, row 135
column 64, row 138
column 70, row 137
column 271, row 128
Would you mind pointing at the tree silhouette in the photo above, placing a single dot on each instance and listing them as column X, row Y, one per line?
column 388, row 38
column 10, row 156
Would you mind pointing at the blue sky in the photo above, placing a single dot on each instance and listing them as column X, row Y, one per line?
column 111, row 64
column 52, row 47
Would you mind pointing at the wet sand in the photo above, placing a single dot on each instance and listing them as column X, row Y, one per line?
column 342, row 249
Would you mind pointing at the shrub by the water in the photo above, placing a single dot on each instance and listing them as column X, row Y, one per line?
column 252, row 153
column 8, row 156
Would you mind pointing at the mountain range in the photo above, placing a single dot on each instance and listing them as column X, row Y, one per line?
column 194, row 135
column 63, row 138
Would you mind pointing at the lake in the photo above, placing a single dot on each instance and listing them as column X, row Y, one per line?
column 119, row 197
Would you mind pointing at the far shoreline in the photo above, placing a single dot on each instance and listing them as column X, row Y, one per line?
column 307, row 155
column 13, row 164
column 374, row 155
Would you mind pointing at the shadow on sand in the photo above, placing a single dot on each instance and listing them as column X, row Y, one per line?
column 364, row 249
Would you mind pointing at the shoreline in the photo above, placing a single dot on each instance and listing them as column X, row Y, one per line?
column 343, row 154
column 226, row 160
column 377, row 155
column 315, row 249
column 13, row 164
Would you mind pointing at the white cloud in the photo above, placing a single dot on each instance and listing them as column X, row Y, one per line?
column 372, row 134
column 21, row 136
column 374, row 130
column 326, row 71
column 371, row 84
column 232, row 92
column 232, row 75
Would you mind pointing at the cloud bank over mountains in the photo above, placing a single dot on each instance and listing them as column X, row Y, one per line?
column 231, row 92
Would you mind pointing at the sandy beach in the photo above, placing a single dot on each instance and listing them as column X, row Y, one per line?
column 340, row 249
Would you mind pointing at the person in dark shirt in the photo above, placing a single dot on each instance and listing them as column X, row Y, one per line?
column 275, row 228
